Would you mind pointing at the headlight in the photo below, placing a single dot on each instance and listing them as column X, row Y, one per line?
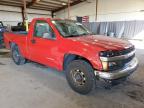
column 112, row 64
column 107, row 66
column 110, row 53
column 107, row 54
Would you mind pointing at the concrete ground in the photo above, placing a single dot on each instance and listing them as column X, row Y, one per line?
column 35, row 86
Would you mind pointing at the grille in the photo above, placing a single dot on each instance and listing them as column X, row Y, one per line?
column 116, row 52
column 121, row 63
column 126, row 51
column 125, row 61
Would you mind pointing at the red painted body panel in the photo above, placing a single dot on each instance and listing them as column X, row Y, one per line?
column 52, row 52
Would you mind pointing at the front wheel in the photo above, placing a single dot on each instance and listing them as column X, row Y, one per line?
column 80, row 76
column 16, row 56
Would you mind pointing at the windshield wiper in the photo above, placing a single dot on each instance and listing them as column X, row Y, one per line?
column 72, row 36
column 85, row 34
column 79, row 35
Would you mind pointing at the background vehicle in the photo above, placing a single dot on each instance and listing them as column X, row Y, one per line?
column 69, row 46
column 2, row 30
column 20, row 27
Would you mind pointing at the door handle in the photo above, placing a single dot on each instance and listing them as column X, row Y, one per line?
column 33, row 41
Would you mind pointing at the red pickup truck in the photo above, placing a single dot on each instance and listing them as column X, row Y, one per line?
column 68, row 46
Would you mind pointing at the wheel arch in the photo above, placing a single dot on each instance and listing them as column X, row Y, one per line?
column 12, row 44
column 70, row 57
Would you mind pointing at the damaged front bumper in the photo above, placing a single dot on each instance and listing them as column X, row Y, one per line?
column 124, row 72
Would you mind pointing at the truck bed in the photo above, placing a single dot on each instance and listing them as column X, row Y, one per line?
column 15, row 37
column 21, row 32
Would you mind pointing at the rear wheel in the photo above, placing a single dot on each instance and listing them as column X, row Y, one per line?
column 16, row 55
column 80, row 76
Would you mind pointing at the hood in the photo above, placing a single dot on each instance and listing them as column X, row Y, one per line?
column 103, row 42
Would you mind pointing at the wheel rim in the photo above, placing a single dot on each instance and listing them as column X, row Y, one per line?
column 16, row 55
column 78, row 77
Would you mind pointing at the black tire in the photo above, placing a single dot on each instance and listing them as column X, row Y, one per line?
column 16, row 56
column 80, row 76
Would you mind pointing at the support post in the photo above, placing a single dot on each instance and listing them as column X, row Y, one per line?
column 96, row 17
column 52, row 14
column 22, row 11
column 25, row 14
column 68, row 9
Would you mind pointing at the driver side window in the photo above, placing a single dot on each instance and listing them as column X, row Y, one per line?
column 43, row 30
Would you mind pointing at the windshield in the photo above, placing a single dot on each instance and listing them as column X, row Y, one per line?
column 69, row 28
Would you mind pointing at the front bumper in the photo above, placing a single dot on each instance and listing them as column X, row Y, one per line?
column 126, row 71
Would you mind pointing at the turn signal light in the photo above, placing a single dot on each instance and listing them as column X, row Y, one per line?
column 105, row 66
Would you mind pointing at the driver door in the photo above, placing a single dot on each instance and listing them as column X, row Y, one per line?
column 43, row 44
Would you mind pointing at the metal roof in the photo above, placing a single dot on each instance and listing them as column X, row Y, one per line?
column 48, row 5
